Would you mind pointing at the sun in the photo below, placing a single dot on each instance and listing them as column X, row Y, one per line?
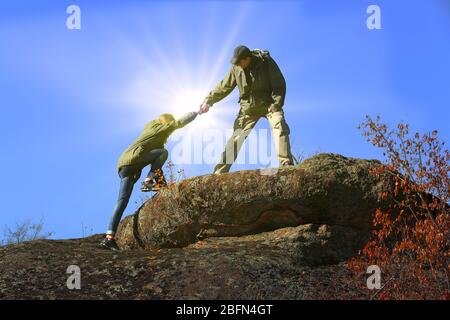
column 189, row 99
column 165, row 81
column 182, row 100
column 185, row 100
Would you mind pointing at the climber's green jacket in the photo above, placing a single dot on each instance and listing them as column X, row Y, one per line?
column 261, row 85
column 154, row 136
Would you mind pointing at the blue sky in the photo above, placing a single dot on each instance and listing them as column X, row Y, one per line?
column 72, row 100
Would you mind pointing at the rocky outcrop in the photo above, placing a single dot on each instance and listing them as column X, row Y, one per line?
column 243, row 235
column 327, row 189
column 284, row 264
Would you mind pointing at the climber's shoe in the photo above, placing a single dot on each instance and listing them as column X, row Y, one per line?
column 147, row 186
column 109, row 244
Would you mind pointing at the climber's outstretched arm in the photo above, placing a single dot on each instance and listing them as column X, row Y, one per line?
column 185, row 119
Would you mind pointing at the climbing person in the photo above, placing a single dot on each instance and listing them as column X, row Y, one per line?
column 262, row 89
column 148, row 149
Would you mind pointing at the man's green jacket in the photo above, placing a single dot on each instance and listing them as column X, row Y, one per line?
column 261, row 85
column 154, row 136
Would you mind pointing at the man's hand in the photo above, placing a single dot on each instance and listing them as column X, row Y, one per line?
column 204, row 107
column 272, row 109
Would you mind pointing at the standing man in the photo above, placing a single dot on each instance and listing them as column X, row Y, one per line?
column 262, row 91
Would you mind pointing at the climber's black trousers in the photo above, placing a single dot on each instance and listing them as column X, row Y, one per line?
column 129, row 175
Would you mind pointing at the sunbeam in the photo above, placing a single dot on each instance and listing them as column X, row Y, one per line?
column 168, row 81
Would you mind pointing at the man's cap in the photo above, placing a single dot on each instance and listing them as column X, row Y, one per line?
column 239, row 53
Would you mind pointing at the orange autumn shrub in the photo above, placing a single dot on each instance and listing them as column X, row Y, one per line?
column 411, row 239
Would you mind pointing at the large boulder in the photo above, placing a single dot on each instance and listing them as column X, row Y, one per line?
column 326, row 190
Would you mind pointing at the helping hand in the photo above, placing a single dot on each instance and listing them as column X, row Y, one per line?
column 272, row 109
column 204, row 108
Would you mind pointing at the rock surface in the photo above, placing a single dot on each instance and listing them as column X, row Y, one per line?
column 325, row 189
column 283, row 264
column 243, row 235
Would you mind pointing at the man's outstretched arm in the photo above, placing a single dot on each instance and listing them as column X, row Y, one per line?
column 222, row 90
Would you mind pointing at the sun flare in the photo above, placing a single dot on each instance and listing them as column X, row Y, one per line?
column 166, row 81
column 185, row 100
